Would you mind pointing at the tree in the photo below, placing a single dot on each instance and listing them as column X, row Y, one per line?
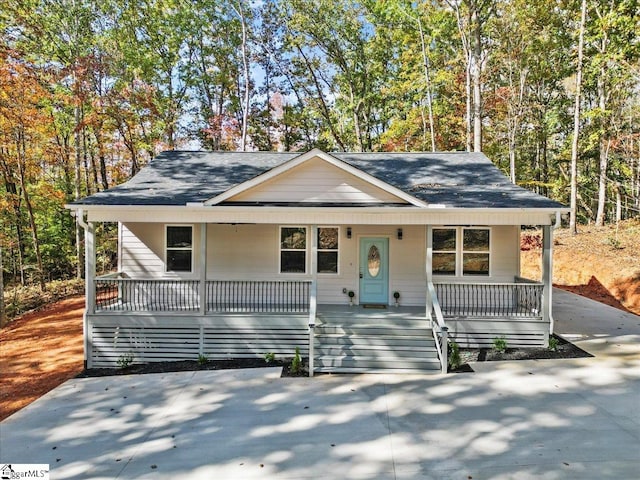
column 576, row 120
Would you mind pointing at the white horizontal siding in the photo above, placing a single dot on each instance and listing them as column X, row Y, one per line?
column 142, row 251
column 316, row 181
column 251, row 252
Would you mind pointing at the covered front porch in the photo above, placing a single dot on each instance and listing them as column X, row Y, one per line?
column 160, row 319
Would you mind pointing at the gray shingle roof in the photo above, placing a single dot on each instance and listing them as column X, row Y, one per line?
column 459, row 180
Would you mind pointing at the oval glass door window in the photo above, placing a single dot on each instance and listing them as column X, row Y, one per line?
column 374, row 261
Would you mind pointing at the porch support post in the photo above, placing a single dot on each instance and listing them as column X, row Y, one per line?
column 313, row 294
column 429, row 271
column 90, row 285
column 547, row 274
column 202, row 286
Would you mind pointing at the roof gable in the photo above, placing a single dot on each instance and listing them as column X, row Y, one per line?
column 315, row 178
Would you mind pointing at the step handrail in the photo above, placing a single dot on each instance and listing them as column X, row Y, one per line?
column 439, row 327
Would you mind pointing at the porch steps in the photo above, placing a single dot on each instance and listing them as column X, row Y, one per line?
column 375, row 343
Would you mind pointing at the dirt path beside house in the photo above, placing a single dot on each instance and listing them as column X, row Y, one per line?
column 38, row 352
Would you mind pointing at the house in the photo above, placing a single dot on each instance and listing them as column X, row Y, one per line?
column 365, row 261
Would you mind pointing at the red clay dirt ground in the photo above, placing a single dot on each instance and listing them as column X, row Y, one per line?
column 38, row 352
column 42, row 349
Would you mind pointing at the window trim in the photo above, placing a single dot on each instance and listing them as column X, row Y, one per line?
column 306, row 249
column 460, row 251
column 337, row 250
column 167, row 248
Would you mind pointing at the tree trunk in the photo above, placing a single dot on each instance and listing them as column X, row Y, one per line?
column 469, row 108
column 602, row 182
column 467, row 58
column 76, row 193
column 245, row 74
column 618, row 203
column 427, row 80
column 604, row 149
column 3, row 318
column 573, row 227
column 477, row 79
column 21, row 149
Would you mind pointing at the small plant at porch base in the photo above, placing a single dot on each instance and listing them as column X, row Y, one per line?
column 553, row 344
column 270, row 357
column 351, row 295
column 125, row 360
column 500, row 345
column 296, row 363
column 454, row 356
column 202, row 359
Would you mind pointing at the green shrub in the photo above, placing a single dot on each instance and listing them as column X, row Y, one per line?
column 296, row 363
column 500, row 345
column 202, row 359
column 553, row 344
column 269, row 357
column 125, row 360
column 454, row 356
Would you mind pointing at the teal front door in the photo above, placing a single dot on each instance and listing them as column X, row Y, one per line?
column 374, row 270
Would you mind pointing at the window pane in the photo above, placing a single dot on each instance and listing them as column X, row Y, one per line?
column 475, row 240
column 374, row 261
column 293, row 237
column 444, row 239
column 475, row 264
column 327, row 262
column 293, row 262
column 328, row 238
column 179, row 260
column 444, row 264
column 178, row 237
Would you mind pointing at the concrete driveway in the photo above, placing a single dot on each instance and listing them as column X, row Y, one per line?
column 548, row 419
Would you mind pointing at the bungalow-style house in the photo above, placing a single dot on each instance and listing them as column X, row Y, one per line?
column 363, row 261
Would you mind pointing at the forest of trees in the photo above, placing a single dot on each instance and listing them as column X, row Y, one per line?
column 91, row 91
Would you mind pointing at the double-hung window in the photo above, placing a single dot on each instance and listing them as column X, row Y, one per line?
column 179, row 252
column 328, row 238
column 475, row 251
column 461, row 251
column 293, row 249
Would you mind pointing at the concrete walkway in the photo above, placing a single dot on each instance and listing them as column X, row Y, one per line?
column 548, row 419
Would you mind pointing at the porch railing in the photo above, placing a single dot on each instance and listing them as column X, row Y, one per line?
column 516, row 299
column 117, row 293
column 258, row 296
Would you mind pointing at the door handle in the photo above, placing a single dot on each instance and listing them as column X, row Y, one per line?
column 361, row 275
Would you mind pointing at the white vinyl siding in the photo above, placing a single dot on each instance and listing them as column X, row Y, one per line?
column 317, row 181
column 143, row 251
column 250, row 252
